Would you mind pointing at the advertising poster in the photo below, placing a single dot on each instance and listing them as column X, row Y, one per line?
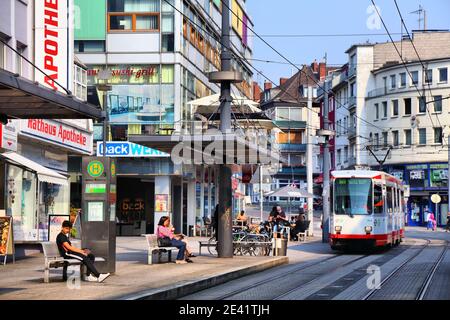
column 95, row 211
column 54, row 225
column 5, row 235
column 161, row 203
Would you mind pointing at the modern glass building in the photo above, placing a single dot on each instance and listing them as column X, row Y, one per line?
column 159, row 53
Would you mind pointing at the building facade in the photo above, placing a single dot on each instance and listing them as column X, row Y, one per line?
column 288, row 108
column 159, row 54
column 34, row 177
column 399, row 109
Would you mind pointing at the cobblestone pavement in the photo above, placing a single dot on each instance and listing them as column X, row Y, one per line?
column 417, row 269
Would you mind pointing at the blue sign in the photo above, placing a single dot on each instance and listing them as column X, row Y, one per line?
column 128, row 150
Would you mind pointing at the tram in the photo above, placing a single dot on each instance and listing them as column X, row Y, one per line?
column 367, row 209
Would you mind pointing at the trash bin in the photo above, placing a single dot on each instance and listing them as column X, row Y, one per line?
column 280, row 247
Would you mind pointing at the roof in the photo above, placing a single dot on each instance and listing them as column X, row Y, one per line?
column 288, row 92
column 361, row 174
column 44, row 174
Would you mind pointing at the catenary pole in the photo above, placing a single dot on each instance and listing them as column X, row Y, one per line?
column 309, row 161
column 225, row 236
column 326, row 171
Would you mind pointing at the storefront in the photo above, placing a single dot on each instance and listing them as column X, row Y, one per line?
column 424, row 180
column 33, row 194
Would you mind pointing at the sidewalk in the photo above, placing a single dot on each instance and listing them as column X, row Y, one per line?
column 134, row 279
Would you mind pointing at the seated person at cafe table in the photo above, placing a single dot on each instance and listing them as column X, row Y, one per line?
column 242, row 219
column 301, row 225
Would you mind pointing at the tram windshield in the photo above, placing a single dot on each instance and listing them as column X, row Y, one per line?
column 353, row 196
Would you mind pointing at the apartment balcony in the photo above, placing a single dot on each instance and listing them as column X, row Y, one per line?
column 351, row 71
column 377, row 92
column 288, row 170
column 352, row 133
column 291, row 147
column 288, row 124
column 351, row 103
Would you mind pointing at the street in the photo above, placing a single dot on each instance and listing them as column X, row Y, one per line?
column 418, row 269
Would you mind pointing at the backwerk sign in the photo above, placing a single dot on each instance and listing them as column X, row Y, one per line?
column 128, row 150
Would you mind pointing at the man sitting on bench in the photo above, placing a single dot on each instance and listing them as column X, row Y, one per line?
column 67, row 251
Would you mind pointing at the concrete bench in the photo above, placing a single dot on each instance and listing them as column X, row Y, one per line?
column 152, row 242
column 53, row 260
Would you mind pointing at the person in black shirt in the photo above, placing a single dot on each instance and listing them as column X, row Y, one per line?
column 67, row 251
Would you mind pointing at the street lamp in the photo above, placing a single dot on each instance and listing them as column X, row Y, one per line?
column 105, row 87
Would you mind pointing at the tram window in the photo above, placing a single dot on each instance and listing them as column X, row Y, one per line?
column 353, row 196
column 378, row 199
column 389, row 198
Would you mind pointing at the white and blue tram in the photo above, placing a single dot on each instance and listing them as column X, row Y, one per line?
column 367, row 208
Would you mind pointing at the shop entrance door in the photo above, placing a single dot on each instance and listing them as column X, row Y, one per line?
column 416, row 211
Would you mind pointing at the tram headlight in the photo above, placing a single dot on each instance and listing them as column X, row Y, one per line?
column 368, row 229
column 338, row 228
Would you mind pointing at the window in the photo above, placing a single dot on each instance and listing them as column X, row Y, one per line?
column 283, row 114
column 385, row 112
column 389, row 199
column 377, row 140
column 237, row 18
column 443, row 75
column 353, row 89
column 422, row 136
column 133, row 5
column 345, row 154
column 378, row 199
column 385, row 139
column 19, row 62
column 353, row 196
column 429, row 76
column 2, row 55
column 393, row 82
column 407, row 106
column 403, row 80
column 414, row 78
column 90, row 46
column 339, row 156
column 438, row 135
column 133, row 15
column 422, row 104
column 377, row 111
column 408, row 140
column 395, row 138
column 394, row 108
column 437, row 103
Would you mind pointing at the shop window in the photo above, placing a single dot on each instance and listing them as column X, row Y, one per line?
column 167, row 74
column 21, row 203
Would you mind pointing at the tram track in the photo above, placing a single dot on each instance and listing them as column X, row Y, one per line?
column 288, row 274
column 424, row 289
column 401, row 268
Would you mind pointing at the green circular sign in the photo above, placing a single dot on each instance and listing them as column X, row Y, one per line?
column 95, row 169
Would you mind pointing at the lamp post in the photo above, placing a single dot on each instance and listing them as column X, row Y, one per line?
column 105, row 87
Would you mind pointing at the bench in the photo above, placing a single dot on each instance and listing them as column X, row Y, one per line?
column 152, row 242
column 305, row 233
column 207, row 244
column 52, row 259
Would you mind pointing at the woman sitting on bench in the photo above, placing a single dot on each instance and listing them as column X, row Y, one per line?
column 166, row 238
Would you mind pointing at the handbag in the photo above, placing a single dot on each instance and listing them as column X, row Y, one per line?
column 164, row 242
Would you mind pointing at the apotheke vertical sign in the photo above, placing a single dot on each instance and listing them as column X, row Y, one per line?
column 51, row 37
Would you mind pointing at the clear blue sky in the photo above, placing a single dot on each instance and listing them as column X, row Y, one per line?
column 289, row 17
